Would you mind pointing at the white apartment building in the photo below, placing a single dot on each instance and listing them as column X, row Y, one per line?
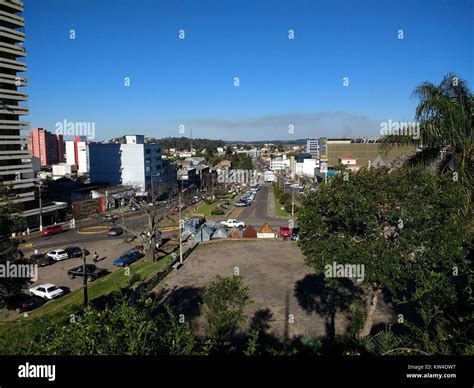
column 77, row 153
column 312, row 147
column 306, row 167
column 280, row 164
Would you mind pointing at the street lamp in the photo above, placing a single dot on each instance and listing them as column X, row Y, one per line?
column 180, row 226
column 40, row 186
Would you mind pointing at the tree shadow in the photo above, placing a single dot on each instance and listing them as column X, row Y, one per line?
column 183, row 300
column 315, row 295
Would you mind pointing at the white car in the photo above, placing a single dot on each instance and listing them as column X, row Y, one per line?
column 233, row 223
column 58, row 254
column 47, row 291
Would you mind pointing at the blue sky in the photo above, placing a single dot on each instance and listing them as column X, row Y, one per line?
column 283, row 82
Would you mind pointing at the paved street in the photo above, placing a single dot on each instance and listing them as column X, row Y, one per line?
column 258, row 212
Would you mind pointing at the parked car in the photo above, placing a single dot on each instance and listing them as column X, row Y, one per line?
column 233, row 223
column 24, row 302
column 115, row 231
column 285, row 232
column 47, row 291
column 75, row 252
column 109, row 218
column 294, row 234
column 134, row 208
column 41, row 260
column 241, row 204
column 92, row 272
column 127, row 258
column 189, row 202
column 51, row 230
column 58, row 255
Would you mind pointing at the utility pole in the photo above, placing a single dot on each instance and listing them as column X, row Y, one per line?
column 40, row 207
column 180, row 227
column 84, row 276
column 151, row 221
column 292, row 201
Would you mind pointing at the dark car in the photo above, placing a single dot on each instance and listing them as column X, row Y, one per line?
column 115, row 231
column 109, row 218
column 127, row 258
column 92, row 272
column 75, row 252
column 25, row 302
column 294, row 233
column 40, row 260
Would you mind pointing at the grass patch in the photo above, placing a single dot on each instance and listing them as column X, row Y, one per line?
column 60, row 309
column 206, row 209
column 278, row 208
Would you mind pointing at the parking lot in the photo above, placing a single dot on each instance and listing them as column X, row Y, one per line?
column 286, row 293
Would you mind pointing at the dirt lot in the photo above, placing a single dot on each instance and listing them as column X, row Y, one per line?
column 289, row 299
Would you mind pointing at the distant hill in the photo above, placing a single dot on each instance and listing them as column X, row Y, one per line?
column 183, row 143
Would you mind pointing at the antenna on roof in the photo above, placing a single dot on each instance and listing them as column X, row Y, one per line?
column 191, row 141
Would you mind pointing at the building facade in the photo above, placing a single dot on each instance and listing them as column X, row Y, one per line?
column 133, row 163
column 312, row 147
column 47, row 147
column 15, row 170
column 77, row 152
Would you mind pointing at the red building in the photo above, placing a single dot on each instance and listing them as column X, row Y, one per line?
column 48, row 148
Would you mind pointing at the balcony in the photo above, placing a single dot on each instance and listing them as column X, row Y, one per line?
column 13, row 79
column 11, row 33
column 13, row 140
column 14, row 124
column 15, row 154
column 11, row 64
column 25, row 168
column 15, row 5
column 11, row 18
column 14, row 49
column 8, row 94
column 13, row 110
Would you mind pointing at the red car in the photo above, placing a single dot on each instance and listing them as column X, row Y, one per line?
column 285, row 232
column 53, row 229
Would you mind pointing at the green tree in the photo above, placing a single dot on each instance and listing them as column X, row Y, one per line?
column 446, row 128
column 9, row 251
column 118, row 330
column 224, row 301
column 406, row 227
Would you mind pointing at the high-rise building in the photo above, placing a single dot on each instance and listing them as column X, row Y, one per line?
column 77, row 152
column 15, row 170
column 312, row 147
column 45, row 146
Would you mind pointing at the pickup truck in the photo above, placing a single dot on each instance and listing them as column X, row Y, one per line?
column 92, row 272
column 233, row 223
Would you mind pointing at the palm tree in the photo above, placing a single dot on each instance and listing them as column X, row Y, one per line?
column 445, row 115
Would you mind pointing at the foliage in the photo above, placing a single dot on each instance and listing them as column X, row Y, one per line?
column 406, row 227
column 9, row 251
column 176, row 338
column 117, row 330
column 446, row 129
column 224, row 303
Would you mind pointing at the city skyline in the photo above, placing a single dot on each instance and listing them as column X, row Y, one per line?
column 283, row 82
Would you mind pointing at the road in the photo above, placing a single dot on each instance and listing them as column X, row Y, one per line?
column 258, row 212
